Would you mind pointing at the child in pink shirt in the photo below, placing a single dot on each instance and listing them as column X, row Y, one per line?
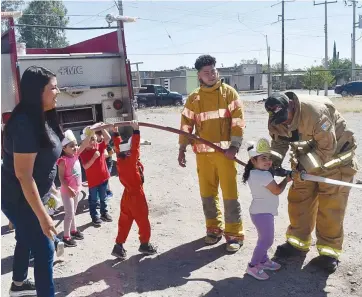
column 70, row 176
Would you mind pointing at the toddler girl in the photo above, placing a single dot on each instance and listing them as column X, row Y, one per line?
column 264, row 206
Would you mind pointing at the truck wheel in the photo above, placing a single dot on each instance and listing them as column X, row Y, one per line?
column 344, row 94
column 178, row 103
column 142, row 105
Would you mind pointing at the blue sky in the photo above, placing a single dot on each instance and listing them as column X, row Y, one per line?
column 231, row 31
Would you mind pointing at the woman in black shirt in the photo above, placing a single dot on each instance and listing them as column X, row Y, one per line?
column 31, row 147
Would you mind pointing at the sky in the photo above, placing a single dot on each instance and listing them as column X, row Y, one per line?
column 169, row 34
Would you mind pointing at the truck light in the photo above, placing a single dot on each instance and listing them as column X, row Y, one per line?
column 117, row 104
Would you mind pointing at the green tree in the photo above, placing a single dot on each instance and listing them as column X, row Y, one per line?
column 315, row 77
column 48, row 13
column 340, row 69
column 9, row 6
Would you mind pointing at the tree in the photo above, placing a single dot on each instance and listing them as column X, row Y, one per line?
column 277, row 68
column 49, row 13
column 9, row 6
column 315, row 77
column 182, row 68
column 249, row 61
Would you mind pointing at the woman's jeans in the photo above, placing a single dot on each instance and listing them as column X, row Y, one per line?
column 29, row 236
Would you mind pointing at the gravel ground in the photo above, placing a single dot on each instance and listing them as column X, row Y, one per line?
column 184, row 266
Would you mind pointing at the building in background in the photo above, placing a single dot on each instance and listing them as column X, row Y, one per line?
column 244, row 77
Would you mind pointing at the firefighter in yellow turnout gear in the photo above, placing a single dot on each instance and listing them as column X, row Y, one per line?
column 321, row 144
column 216, row 114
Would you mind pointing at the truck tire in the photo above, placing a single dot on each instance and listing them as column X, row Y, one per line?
column 178, row 103
column 142, row 105
column 344, row 94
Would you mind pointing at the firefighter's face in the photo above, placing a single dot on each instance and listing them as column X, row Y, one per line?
column 50, row 93
column 208, row 75
column 262, row 162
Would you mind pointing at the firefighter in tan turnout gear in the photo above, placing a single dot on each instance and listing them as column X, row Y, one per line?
column 321, row 144
column 215, row 112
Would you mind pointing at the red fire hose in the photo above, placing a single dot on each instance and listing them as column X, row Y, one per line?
column 173, row 130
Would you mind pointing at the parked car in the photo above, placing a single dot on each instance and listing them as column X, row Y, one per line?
column 157, row 95
column 349, row 89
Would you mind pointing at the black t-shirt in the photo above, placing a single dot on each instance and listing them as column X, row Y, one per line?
column 21, row 137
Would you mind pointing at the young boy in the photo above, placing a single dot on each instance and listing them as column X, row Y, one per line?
column 109, row 161
column 133, row 204
column 96, row 170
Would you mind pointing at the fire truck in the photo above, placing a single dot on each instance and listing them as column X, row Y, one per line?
column 94, row 77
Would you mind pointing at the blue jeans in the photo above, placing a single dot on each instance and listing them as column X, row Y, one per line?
column 29, row 237
column 95, row 192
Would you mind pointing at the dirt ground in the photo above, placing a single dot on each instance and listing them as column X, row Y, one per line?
column 184, row 266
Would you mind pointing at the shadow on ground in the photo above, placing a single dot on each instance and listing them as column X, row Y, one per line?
column 173, row 269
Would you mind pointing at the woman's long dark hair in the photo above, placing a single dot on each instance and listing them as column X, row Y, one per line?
column 247, row 170
column 32, row 84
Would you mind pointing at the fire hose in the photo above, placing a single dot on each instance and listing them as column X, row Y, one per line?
column 172, row 130
column 279, row 172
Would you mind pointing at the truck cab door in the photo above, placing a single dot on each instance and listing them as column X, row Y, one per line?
column 165, row 96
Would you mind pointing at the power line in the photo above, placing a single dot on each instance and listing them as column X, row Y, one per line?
column 64, row 28
column 223, row 17
column 98, row 14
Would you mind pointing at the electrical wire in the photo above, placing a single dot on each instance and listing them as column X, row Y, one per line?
column 65, row 28
column 96, row 15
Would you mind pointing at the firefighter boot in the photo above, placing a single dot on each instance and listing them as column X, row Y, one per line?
column 329, row 264
column 287, row 250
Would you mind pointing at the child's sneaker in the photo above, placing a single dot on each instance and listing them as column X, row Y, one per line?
column 270, row 265
column 147, row 249
column 26, row 289
column 257, row 272
column 69, row 242
column 106, row 217
column 119, row 252
column 77, row 235
column 97, row 222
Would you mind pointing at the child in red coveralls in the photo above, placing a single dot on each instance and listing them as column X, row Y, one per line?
column 97, row 173
column 133, row 204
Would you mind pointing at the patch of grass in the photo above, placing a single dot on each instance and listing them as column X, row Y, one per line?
column 348, row 104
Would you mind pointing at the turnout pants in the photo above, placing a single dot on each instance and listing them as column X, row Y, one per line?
column 321, row 206
column 133, row 208
column 215, row 169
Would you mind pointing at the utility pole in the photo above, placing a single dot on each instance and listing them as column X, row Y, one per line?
column 282, row 19
column 353, row 45
column 269, row 73
column 138, row 73
column 325, row 3
column 282, row 84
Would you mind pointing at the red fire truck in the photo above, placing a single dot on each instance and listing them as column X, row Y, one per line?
column 94, row 77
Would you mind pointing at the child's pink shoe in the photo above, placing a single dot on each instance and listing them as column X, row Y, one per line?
column 270, row 265
column 257, row 272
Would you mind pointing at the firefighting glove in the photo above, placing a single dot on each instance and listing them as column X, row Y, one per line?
column 297, row 176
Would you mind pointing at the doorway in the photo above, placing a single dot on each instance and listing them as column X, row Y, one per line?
column 251, row 82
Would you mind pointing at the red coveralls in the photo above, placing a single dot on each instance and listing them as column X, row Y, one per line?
column 133, row 204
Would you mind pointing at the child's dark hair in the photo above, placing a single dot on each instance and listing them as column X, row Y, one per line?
column 247, row 170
